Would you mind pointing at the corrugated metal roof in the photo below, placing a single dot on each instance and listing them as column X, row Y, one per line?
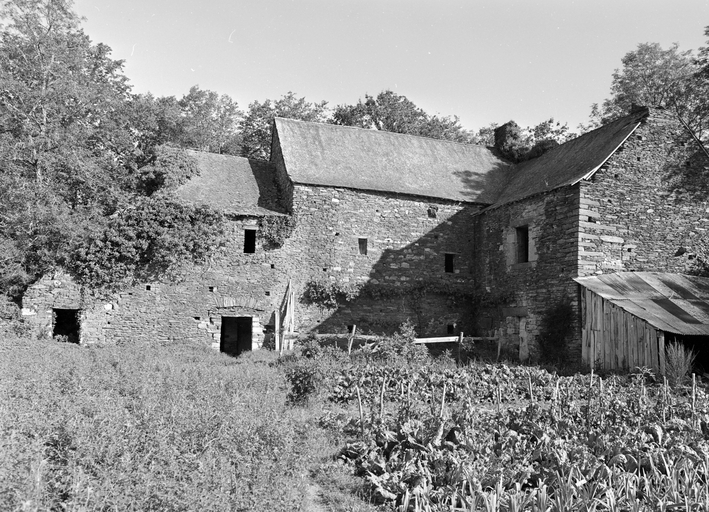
column 232, row 184
column 344, row 156
column 571, row 162
column 671, row 302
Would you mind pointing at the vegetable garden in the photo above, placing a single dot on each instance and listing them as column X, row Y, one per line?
column 433, row 435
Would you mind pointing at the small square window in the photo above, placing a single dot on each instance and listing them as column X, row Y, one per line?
column 449, row 266
column 363, row 246
column 147, row 287
column 212, row 289
column 522, row 244
column 249, row 241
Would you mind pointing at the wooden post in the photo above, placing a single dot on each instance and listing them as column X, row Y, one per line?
column 351, row 340
column 460, row 343
column 277, row 332
column 361, row 412
column 443, row 400
column 588, row 407
column 664, row 399
column 381, row 397
column 694, row 396
column 529, row 382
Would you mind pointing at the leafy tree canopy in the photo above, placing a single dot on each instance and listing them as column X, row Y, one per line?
column 657, row 77
column 517, row 144
column 392, row 112
column 75, row 151
column 256, row 124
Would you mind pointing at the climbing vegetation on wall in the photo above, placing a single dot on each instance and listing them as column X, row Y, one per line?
column 330, row 295
column 557, row 325
column 145, row 241
column 275, row 230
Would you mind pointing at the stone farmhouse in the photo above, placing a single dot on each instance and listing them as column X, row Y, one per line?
column 346, row 226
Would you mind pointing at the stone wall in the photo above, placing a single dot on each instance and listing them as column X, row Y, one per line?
column 402, row 275
column 187, row 308
column 647, row 208
column 515, row 296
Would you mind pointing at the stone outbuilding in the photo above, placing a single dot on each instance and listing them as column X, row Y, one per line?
column 346, row 226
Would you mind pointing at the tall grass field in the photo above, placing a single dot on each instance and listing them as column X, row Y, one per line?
column 153, row 428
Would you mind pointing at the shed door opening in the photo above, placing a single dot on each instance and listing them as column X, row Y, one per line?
column 236, row 335
column 66, row 323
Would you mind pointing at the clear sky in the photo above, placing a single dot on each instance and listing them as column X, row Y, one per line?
column 482, row 60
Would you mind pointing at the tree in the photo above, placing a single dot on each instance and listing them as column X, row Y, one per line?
column 396, row 113
column 210, row 122
column 518, row 145
column 656, row 77
column 74, row 151
column 256, row 124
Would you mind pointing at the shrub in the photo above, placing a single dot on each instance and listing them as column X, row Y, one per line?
column 678, row 363
column 556, row 327
column 400, row 347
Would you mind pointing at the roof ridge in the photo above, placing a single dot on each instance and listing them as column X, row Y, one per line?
column 374, row 130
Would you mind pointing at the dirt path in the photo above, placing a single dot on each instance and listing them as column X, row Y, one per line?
column 313, row 502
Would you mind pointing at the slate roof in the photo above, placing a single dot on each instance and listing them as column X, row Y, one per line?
column 671, row 302
column 570, row 162
column 232, row 184
column 343, row 156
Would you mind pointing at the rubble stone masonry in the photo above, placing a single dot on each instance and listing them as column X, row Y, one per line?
column 647, row 208
column 407, row 240
column 514, row 293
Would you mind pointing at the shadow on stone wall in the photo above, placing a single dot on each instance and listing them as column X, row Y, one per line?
column 686, row 173
column 411, row 283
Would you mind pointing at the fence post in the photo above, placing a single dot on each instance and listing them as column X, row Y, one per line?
column 351, row 340
column 277, row 332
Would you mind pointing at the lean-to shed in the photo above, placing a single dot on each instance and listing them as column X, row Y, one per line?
column 627, row 317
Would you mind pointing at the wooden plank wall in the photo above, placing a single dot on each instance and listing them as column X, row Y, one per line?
column 613, row 339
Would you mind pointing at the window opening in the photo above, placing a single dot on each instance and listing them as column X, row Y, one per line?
column 212, row 289
column 363, row 246
column 449, row 267
column 249, row 241
column 522, row 244
column 147, row 287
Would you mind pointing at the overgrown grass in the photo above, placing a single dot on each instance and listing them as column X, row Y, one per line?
column 150, row 428
column 679, row 361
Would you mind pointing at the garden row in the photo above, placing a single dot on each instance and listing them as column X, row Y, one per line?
column 431, row 435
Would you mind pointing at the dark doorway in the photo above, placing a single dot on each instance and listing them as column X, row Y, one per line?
column 236, row 335
column 66, row 324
